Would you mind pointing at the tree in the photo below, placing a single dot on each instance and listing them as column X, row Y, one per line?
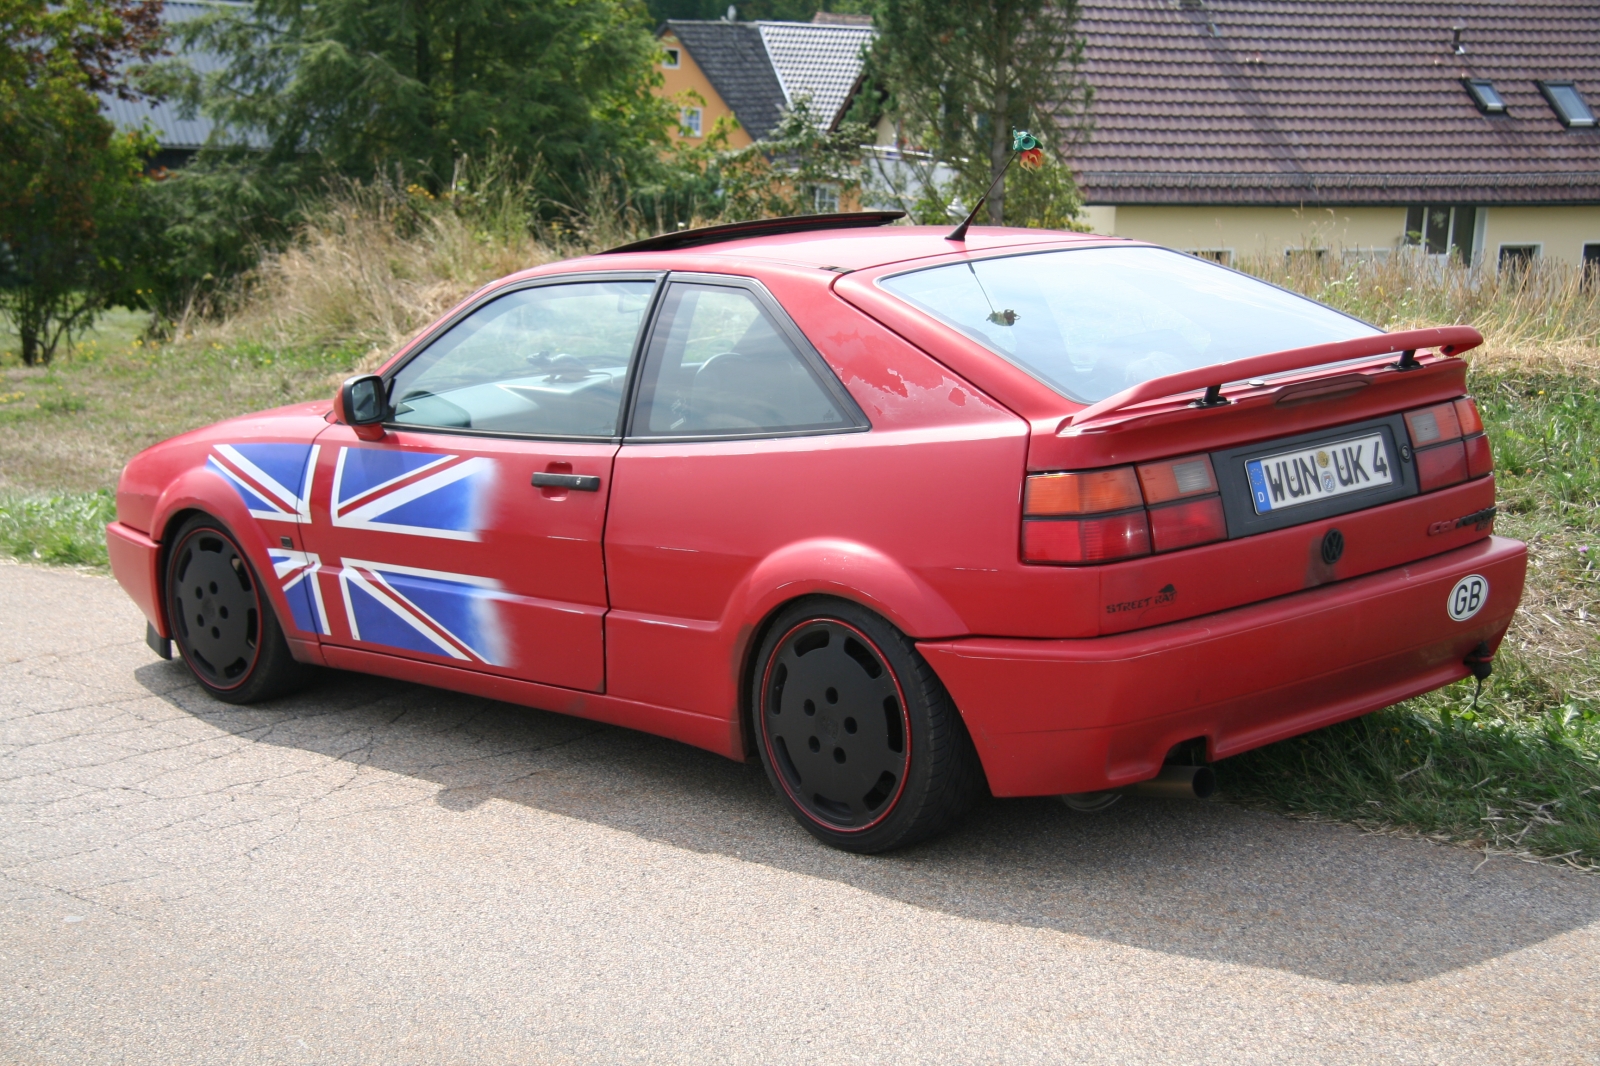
column 69, row 182
column 369, row 85
column 962, row 74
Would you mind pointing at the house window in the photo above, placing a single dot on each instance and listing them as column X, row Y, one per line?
column 674, row 59
column 825, row 199
column 1591, row 264
column 1441, row 230
column 690, row 120
column 1568, row 104
column 1484, row 96
column 1516, row 258
column 1216, row 255
column 1302, row 255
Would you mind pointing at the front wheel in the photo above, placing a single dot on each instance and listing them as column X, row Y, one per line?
column 222, row 620
column 856, row 732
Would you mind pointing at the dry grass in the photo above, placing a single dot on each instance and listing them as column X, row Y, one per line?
column 372, row 268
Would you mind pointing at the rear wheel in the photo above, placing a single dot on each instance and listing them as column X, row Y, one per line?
column 222, row 620
column 855, row 731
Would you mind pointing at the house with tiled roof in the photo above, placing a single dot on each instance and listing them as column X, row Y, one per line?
column 1346, row 127
column 751, row 72
column 179, row 135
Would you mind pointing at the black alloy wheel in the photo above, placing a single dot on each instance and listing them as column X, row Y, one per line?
column 856, row 732
column 221, row 619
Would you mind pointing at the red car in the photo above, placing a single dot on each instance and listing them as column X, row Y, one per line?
column 903, row 516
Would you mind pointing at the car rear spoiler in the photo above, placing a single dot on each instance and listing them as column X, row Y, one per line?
column 1449, row 340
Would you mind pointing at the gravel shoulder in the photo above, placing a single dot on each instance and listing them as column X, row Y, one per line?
column 379, row 872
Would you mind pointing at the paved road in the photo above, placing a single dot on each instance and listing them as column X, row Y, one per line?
column 375, row 872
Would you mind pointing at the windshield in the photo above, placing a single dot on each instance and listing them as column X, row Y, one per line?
column 1091, row 322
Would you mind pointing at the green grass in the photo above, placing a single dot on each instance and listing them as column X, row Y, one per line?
column 63, row 530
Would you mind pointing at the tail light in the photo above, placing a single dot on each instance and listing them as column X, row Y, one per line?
column 1100, row 516
column 1448, row 443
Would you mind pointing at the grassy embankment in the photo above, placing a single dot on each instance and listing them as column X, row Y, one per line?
column 1516, row 772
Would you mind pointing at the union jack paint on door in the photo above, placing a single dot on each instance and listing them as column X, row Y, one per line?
column 274, row 480
column 423, row 494
column 438, row 546
column 429, row 611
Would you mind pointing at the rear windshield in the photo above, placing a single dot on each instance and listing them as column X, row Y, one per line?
column 1091, row 322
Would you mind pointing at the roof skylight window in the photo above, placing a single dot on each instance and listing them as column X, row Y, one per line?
column 1567, row 103
column 1484, row 95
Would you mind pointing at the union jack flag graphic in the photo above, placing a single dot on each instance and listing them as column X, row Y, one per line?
column 428, row 611
column 274, row 480
column 297, row 574
column 421, row 493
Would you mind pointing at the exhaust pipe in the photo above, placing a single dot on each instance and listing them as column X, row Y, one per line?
column 1178, row 782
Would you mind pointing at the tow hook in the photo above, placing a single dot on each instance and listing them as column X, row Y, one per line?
column 1480, row 661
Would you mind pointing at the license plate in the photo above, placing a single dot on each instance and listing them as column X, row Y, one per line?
column 1306, row 475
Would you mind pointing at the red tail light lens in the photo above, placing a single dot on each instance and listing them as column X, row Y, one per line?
column 1443, row 457
column 1443, row 465
column 1177, row 478
column 1480, row 460
column 1100, row 539
column 1184, row 525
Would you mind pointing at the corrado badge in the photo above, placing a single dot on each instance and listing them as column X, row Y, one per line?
column 1478, row 519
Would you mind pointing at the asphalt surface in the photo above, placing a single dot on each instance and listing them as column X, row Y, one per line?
column 377, row 872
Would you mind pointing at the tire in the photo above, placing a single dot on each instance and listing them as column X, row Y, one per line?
column 857, row 735
column 222, row 621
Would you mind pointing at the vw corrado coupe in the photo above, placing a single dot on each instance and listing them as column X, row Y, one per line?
column 906, row 515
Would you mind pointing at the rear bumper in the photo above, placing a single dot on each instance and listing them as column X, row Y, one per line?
column 1055, row 716
column 135, row 563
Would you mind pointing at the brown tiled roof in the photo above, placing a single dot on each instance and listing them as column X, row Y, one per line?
column 1335, row 102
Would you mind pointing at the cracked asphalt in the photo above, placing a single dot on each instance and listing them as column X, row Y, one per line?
column 373, row 872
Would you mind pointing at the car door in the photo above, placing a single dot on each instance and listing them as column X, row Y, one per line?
column 470, row 533
column 738, row 428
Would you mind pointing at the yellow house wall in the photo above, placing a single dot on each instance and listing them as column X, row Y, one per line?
column 689, row 77
column 1563, row 231
column 1250, row 231
column 1255, row 231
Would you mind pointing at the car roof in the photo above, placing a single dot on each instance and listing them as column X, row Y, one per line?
column 846, row 249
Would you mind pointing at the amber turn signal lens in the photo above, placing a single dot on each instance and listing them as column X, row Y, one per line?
column 1101, row 539
column 1177, row 478
column 1184, row 525
column 1467, row 414
column 1433, row 424
column 1082, row 493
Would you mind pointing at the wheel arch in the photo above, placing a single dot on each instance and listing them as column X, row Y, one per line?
column 828, row 569
column 200, row 492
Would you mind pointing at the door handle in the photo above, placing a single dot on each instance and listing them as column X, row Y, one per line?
column 576, row 482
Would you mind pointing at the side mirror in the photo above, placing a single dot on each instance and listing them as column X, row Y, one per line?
column 364, row 404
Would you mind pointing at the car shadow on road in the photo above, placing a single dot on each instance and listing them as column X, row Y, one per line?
column 1204, row 880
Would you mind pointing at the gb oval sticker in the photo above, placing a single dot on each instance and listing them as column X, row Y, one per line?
column 1466, row 599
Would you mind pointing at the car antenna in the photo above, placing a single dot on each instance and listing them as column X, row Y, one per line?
column 1024, row 145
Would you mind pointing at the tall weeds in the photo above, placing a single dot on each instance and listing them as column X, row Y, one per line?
column 378, row 260
column 1544, row 316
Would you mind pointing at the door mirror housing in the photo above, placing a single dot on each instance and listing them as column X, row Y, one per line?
column 364, row 405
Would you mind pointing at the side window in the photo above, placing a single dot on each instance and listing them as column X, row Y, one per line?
column 546, row 361
column 719, row 364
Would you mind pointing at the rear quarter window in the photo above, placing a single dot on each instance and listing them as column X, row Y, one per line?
column 1091, row 322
